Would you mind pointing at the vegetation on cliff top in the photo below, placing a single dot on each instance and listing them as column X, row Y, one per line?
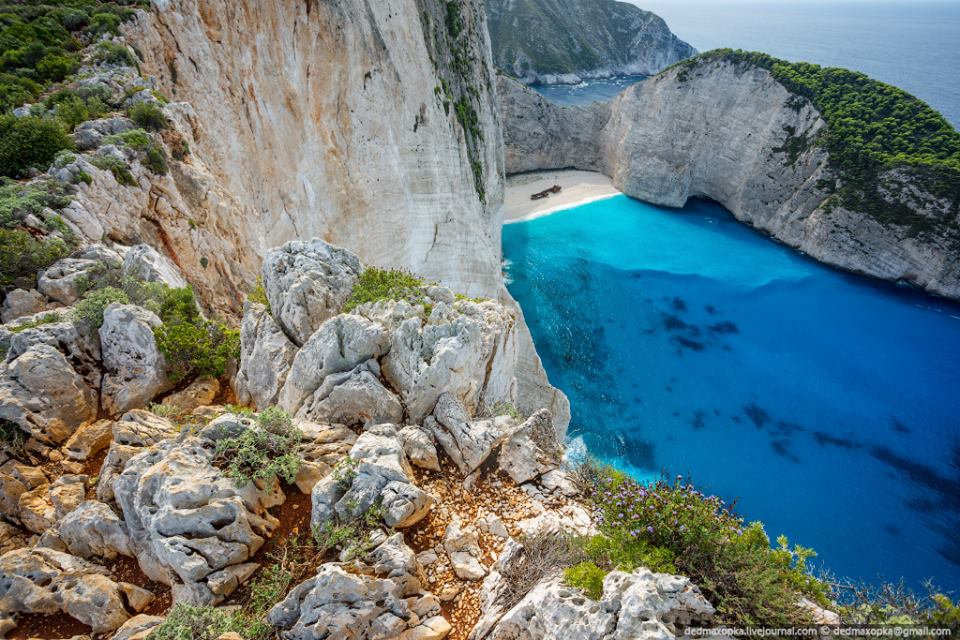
column 873, row 128
column 41, row 41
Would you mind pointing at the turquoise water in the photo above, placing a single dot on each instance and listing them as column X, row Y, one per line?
column 688, row 343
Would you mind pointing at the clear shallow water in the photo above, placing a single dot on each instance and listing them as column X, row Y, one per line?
column 688, row 343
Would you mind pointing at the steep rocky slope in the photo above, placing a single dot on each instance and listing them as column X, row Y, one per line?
column 564, row 41
column 728, row 130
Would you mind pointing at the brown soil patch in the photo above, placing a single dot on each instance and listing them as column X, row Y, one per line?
column 58, row 625
column 294, row 517
column 125, row 569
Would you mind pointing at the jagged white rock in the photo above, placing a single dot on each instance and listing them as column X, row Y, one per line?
column 266, row 355
column 136, row 371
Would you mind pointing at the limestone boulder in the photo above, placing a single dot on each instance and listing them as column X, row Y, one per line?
column 461, row 542
column 88, row 135
column 641, row 604
column 380, row 596
column 464, row 348
column 420, row 447
column 531, row 449
column 339, row 345
column 66, row 278
column 44, row 395
column 145, row 263
column 322, row 446
column 89, row 439
column 136, row 371
column 21, row 302
column 354, row 398
column 467, row 442
column 192, row 526
column 93, row 530
column 266, row 355
column 139, row 627
column 45, row 581
column 199, row 393
column 308, row 282
column 377, row 470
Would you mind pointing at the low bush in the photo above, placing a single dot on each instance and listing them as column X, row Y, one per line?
column 544, row 555
column 22, row 256
column 109, row 52
column 19, row 200
column 12, row 439
column 47, row 318
column 259, row 294
column 675, row 527
column 385, row 284
column 147, row 115
column 191, row 344
column 586, row 576
column 89, row 310
column 265, row 452
column 155, row 159
column 116, row 166
column 30, row 142
column 187, row 622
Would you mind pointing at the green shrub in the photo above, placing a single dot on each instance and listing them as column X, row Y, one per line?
column 19, row 200
column 136, row 139
column 265, row 452
column 385, row 284
column 22, row 256
column 202, row 347
column 586, row 576
column 259, row 294
column 47, row 318
column 29, row 142
column 116, row 166
column 109, row 52
column 89, row 310
column 155, row 160
column 675, row 526
column 187, row 622
column 147, row 115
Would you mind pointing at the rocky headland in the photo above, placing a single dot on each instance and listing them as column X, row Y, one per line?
column 566, row 42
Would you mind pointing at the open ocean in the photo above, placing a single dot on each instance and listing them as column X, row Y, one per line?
column 912, row 45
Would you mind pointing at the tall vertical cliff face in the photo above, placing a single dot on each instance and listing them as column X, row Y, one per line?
column 372, row 125
column 369, row 124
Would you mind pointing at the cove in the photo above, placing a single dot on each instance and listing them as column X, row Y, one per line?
column 824, row 403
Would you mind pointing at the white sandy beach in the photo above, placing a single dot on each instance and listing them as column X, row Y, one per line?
column 578, row 187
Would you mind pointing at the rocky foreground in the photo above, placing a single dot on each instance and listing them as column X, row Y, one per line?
column 124, row 497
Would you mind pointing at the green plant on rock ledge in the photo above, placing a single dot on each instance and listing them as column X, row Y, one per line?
column 22, row 256
column 265, row 452
column 672, row 527
column 192, row 344
column 386, row 284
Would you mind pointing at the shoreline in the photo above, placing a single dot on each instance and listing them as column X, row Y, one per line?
column 578, row 188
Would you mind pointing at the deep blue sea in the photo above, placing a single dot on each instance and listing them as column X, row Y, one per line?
column 688, row 343
column 914, row 45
